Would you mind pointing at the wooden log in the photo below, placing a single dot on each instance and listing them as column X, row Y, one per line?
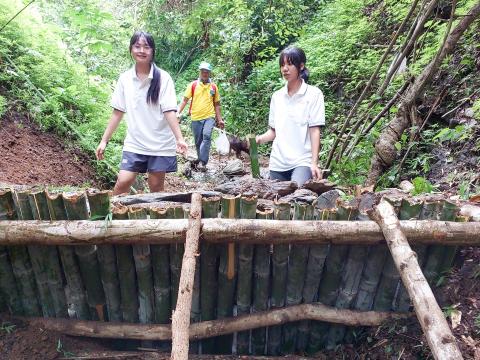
column 227, row 274
column 261, row 286
column 245, row 231
column 126, row 272
column 99, row 202
column 77, row 209
column 143, row 268
column 181, row 315
column 8, row 285
column 53, row 271
column 297, row 267
column 253, row 152
column 138, row 199
column 207, row 329
column 262, row 188
column 439, row 336
column 75, row 290
column 279, row 280
column 248, row 208
column 176, row 255
column 209, row 272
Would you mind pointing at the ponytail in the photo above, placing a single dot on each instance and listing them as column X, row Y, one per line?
column 304, row 74
column 154, row 89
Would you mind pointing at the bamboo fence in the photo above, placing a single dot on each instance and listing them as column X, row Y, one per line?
column 137, row 282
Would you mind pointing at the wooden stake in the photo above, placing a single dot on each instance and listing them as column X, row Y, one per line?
column 254, row 156
column 440, row 339
column 181, row 315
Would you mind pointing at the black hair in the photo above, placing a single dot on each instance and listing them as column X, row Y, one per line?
column 296, row 56
column 154, row 89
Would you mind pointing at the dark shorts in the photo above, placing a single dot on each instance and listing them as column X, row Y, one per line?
column 147, row 163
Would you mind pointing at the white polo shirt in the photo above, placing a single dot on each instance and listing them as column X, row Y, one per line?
column 291, row 116
column 148, row 132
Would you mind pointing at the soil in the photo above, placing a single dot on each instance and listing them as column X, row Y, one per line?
column 29, row 156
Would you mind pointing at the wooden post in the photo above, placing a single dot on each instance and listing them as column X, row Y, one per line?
column 181, row 315
column 254, row 156
column 439, row 337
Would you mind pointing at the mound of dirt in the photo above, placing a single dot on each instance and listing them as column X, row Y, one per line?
column 29, row 156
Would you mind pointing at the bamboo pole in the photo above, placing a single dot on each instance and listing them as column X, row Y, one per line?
column 209, row 272
column 261, row 286
column 227, row 274
column 126, row 272
column 99, row 202
column 254, row 156
column 439, row 337
column 77, row 209
column 38, row 256
column 279, row 280
column 75, row 290
column 297, row 267
column 248, row 206
column 161, row 271
column 23, row 271
column 181, row 315
column 330, row 282
column 245, row 231
column 176, row 255
column 143, row 267
column 207, row 329
column 54, row 276
column 8, row 286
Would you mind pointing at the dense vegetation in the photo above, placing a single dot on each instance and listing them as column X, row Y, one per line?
column 60, row 59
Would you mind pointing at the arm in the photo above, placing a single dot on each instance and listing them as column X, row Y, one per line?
column 182, row 146
column 182, row 106
column 314, row 133
column 218, row 116
column 111, row 127
column 268, row 136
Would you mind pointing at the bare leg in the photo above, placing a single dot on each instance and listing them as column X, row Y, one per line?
column 124, row 181
column 156, row 181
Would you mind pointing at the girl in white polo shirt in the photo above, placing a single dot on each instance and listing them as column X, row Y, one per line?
column 146, row 94
column 296, row 113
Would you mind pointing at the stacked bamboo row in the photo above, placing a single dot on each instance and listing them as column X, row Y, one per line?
column 139, row 283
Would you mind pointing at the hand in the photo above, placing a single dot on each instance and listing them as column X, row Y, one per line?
column 316, row 172
column 182, row 147
column 221, row 123
column 101, row 150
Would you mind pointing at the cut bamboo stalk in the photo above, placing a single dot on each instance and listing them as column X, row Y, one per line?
column 22, row 270
column 450, row 251
column 38, row 257
column 51, row 263
column 99, row 202
column 297, row 267
column 176, row 255
column 206, row 329
column 209, row 272
column 77, row 209
column 279, row 280
column 126, row 272
column 248, row 208
column 245, row 231
column 230, row 209
column 161, row 271
column 261, row 286
column 8, row 286
column 143, row 267
column 255, row 167
column 181, row 316
column 439, row 337
column 76, row 290
column 331, row 279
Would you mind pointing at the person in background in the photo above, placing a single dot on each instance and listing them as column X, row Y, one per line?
column 146, row 94
column 204, row 111
column 297, row 112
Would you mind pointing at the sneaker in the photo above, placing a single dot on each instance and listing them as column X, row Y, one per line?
column 201, row 167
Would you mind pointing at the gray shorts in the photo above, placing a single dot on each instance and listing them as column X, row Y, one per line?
column 147, row 163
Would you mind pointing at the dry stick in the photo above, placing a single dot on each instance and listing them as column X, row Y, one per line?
column 377, row 118
column 373, row 77
column 244, row 231
column 440, row 339
column 181, row 315
column 207, row 329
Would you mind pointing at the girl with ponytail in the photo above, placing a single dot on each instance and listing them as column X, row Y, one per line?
column 297, row 112
column 146, row 94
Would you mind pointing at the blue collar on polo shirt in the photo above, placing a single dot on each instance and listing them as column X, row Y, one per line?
column 301, row 91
